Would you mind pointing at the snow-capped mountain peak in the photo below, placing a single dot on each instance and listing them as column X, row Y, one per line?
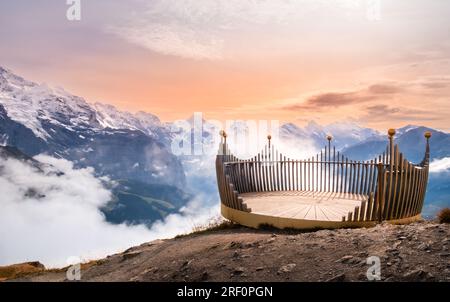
column 110, row 117
column 37, row 118
column 405, row 129
column 314, row 128
column 39, row 106
column 344, row 133
column 34, row 105
column 351, row 130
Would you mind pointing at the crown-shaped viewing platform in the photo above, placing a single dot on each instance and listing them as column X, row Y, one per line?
column 327, row 190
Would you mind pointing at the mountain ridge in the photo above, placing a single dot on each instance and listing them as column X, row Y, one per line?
column 38, row 119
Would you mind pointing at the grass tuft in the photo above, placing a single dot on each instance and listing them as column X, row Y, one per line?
column 18, row 270
column 215, row 224
column 444, row 215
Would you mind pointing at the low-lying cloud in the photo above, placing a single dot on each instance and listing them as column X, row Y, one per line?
column 440, row 165
column 50, row 217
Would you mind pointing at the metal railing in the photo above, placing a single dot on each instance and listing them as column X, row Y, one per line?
column 389, row 186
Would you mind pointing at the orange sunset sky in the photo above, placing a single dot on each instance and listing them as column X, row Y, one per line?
column 379, row 63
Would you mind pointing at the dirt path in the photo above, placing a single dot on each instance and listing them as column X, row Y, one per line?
column 415, row 252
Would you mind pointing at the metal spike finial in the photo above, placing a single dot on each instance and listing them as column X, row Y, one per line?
column 391, row 132
column 269, row 137
column 329, row 138
column 426, row 160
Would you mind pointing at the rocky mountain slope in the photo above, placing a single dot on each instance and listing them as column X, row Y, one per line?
column 132, row 149
column 415, row 252
column 36, row 119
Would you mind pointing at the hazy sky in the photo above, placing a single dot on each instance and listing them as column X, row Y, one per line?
column 237, row 59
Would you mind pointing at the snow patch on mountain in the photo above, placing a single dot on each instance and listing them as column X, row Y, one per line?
column 3, row 139
column 30, row 104
column 33, row 105
column 351, row 129
column 406, row 129
column 344, row 134
column 110, row 117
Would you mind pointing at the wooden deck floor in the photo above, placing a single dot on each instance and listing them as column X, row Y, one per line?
column 303, row 204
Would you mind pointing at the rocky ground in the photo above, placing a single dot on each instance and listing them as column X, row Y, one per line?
column 415, row 252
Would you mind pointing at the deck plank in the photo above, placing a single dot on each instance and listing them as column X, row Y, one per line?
column 303, row 205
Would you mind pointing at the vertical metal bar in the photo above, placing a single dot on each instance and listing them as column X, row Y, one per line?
column 401, row 177
column 381, row 191
column 405, row 172
column 294, row 182
column 296, row 175
column 418, row 190
column 321, row 171
column 354, row 164
column 413, row 199
column 329, row 166
column 281, row 172
column 358, row 178
column 409, row 189
column 241, row 166
column 366, row 179
column 325, row 172
column 369, row 188
column 369, row 207
column 338, row 171
column 289, row 173
column 363, row 179
column 300, row 175
column 270, row 168
column 346, row 176
column 362, row 213
column 395, row 176
column 258, row 170
column 285, row 174
column 277, row 163
column 334, row 169
column 263, row 184
column 317, row 173
column 356, row 217
column 250, row 174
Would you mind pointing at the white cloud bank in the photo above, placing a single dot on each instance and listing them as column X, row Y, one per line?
column 440, row 165
column 53, row 218
column 202, row 29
